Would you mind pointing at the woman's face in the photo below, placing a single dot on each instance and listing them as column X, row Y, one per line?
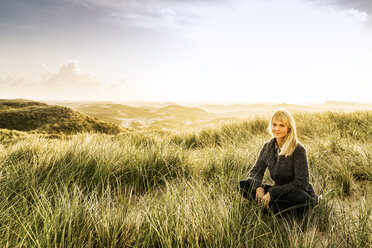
column 279, row 129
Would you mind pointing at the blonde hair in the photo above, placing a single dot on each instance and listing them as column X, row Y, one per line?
column 291, row 140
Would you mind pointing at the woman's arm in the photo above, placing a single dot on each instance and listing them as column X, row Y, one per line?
column 301, row 175
column 258, row 170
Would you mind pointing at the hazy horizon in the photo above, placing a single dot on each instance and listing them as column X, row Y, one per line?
column 215, row 51
column 363, row 105
column 307, row 103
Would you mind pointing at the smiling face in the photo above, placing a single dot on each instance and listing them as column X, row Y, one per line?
column 279, row 129
column 283, row 128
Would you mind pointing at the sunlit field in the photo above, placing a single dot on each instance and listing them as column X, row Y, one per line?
column 177, row 188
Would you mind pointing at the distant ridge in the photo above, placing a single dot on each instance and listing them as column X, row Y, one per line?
column 168, row 115
column 346, row 103
column 26, row 115
column 184, row 112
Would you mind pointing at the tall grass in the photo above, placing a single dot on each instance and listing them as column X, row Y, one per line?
column 178, row 188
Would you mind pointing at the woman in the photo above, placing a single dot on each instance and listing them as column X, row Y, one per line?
column 286, row 160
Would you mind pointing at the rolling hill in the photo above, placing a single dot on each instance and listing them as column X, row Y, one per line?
column 158, row 116
column 25, row 115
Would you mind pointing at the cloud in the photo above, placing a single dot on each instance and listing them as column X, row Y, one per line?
column 360, row 16
column 116, row 17
column 360, row 9
column 360, row 5
column 148, row 14
column 69, row 77
column 160, row 14
column 151, row 14
column 68, row 83
column 37, row 15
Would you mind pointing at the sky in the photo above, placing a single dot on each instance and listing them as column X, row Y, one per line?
column 287, row 51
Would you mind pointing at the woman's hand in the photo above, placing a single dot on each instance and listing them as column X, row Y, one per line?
column 266, row 200
column 260, row 192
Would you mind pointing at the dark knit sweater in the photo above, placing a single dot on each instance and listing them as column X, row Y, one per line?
column 288, row 173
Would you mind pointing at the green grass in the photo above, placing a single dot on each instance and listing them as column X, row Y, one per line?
column 151, row 188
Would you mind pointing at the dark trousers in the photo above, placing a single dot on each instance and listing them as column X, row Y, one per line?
column 296, row 201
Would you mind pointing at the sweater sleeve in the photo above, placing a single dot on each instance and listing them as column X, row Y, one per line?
column 258, row 170
column 301, row 175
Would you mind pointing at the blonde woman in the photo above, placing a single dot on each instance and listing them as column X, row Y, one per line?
column 286, row 160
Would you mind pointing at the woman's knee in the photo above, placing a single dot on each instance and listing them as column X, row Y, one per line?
column 245, row 185
column 297, row 197
column 245, row 188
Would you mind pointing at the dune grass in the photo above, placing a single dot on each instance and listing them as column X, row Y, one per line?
column 151, row 188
